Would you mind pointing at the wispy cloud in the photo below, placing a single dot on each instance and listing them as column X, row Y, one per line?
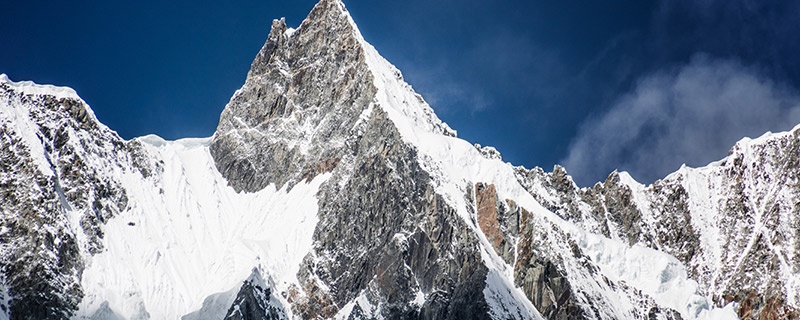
column 445, row 93
column 691, row 114
column 502, row 64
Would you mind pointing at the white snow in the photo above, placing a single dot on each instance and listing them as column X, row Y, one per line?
column 454, row 163
column 726, row 312
column 215, row 306
column 189, row 235
column 29, row 87
column 499, row 291
column 657, row 274
column 370, row 311
column 289, row 32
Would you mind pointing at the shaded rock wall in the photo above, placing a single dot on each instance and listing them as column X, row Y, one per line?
column 387, row 233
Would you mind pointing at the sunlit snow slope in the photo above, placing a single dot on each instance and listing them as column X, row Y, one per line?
column 188, row 235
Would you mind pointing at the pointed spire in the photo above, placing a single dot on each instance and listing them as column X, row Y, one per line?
column 330, row 12
column 277, row 37
column 326, row 18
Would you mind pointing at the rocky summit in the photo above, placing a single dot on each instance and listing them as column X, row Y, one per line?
column 331, row 190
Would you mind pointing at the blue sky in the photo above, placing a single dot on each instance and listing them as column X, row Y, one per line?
column 641, row 86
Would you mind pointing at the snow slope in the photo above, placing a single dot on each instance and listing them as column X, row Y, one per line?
column 188, row 235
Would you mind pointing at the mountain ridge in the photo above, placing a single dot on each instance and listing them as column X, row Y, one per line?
column 333, row 180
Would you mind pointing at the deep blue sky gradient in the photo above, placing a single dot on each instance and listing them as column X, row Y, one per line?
column 523, row 76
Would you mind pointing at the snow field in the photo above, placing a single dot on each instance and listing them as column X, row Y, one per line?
column 189, row 235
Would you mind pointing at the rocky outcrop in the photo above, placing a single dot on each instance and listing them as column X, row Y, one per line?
column 253, row 301
column 55, row 195
column 540, row 280
column 753, row 306
column 558, row 193
column 301, row 105
column 383, row 231
column 732, row 223
column 499, row 221
column 397, row 242
column 548, row 290
column 486, row 198
column 562, row 282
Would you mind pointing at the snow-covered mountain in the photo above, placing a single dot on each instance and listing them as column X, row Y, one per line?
column 331, row 190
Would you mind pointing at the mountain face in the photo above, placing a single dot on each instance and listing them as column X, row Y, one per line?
column 331, row 190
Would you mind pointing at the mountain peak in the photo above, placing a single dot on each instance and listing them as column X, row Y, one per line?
column 328, row 18
column 309, row 91
column 309, row 94
column 329, row 9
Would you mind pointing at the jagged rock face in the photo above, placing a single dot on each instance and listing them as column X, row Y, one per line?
column 300, row 109
column 543, row 284
column 383, row 232
column 55, row 197
column 252, row 302
column 386, row 234
column 549, row 291
column 759, row 227
column 550, row 267
column 498, row 220
column 558, row 193
column 564, row 283
column 487, row 203
column 734, row 224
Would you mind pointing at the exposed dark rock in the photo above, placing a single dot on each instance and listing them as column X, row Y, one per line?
column 383, row 230
column 499, row 221
column 316, row 78
column 543, row 284
column 40, row 255
column 548, row 290
column 398, row 241
column 486, row 198
column 253, row 303
column 751, row 191
column 358, row 314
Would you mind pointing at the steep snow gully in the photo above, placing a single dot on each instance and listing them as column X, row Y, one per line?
column 156, row 229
